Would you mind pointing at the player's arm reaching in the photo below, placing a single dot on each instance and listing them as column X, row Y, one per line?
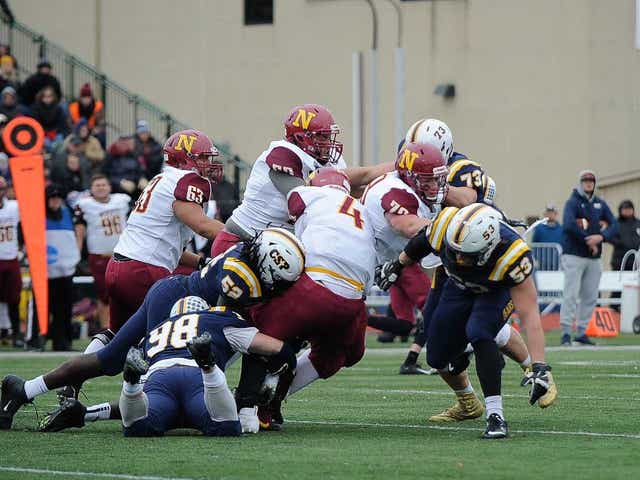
column 361, row 176
column 192, row 215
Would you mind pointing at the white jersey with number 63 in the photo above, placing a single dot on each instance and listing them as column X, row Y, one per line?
column 154, row 235
column 337, row 237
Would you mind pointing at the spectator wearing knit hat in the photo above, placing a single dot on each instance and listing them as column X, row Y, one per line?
column 9, row 105
column 147, row 149
column 587, row 223
column 87, row 108
column 8, row 76
column 36, row 82
column 48, row 111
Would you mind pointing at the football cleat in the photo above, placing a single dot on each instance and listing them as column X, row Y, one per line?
column 134, row 366
column 270, row 416
column 13, row 397
column 200, row 349
column 467, row 407
column 249, row 421
column 386, row 337
column 496, row 427
column 565, row 341
column 70, row 414
column 416, row 369
column 69, row 391
column 584, row 341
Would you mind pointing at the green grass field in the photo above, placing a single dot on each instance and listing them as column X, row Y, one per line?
column 367, row 422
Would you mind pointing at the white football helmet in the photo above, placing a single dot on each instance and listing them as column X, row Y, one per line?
column 189, row 304
column 473, row 234
column 277, row 257
column 433, row 131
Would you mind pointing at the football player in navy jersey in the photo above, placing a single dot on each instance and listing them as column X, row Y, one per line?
column 184, row 359
column 489, row 270
column 244, row 274
column 467, row 183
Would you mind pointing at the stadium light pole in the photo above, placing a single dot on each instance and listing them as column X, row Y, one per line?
column 398, row 64
column 373, row 93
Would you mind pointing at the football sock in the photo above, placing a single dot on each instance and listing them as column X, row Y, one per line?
column 494, row 405
column 305, row 373
column 102, row 411
column 390, row 324
column 526, row 362
column 35, row 387
column 488, row 366
column 133, row 403
column 218, row 398
column 467, row 389
column 412, row 358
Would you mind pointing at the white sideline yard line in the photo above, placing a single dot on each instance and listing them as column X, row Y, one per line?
column 87, row 474
column 467, row 429
column 597, row 348
column 370, row 351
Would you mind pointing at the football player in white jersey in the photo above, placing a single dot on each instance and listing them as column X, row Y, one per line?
column 163, row 220
column 10, row 279
column 399, row 204
column 310, row 143
column 101, row 218
column 326, row 304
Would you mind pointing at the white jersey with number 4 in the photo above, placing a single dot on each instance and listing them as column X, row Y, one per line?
column 389, row 194
column 154, row 235
column 105, row 221
column 337, row 237
column 9, row 219
column 263, row 205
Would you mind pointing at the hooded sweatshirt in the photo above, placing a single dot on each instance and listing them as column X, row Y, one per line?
column 585, row 215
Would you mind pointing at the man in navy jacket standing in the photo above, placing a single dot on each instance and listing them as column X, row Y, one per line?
column 587, row 223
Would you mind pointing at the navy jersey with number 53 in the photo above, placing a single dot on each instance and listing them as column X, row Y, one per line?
column 167, row 339
column 510, row 262
column 228, row 276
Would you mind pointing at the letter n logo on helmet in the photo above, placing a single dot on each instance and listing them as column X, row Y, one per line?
column 303, row 117
column 185, row 142
column 408, row 159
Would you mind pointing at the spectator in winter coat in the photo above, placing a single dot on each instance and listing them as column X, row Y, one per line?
column 587, row 222
column 9, row 105
column 628, row 236
column 147, row 149
column 88, row 145
column 123, row 168
column 52, row 117
column 550, row 232
column 36, row 82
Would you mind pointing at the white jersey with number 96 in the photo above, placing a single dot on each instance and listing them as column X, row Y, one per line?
column 338, row 239
column 154, row 235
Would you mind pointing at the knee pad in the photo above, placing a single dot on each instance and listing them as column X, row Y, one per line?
column 460, row 363
column 503, row 335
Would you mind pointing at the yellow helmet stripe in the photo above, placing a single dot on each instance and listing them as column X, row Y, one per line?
column 439, row 226
column 463, row 225
column 507, row 259
column 455, row 167
column 244, row 272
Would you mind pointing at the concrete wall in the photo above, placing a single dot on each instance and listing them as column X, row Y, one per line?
column 545, row 88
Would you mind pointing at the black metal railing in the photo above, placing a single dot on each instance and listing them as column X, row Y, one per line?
column 122, row 107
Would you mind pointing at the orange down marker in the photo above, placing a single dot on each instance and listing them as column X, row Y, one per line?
column 23, row 138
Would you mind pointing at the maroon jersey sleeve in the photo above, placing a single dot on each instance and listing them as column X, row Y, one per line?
column 281, row 159
column 193, row 188
column 399, row 202
column 296, row 205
